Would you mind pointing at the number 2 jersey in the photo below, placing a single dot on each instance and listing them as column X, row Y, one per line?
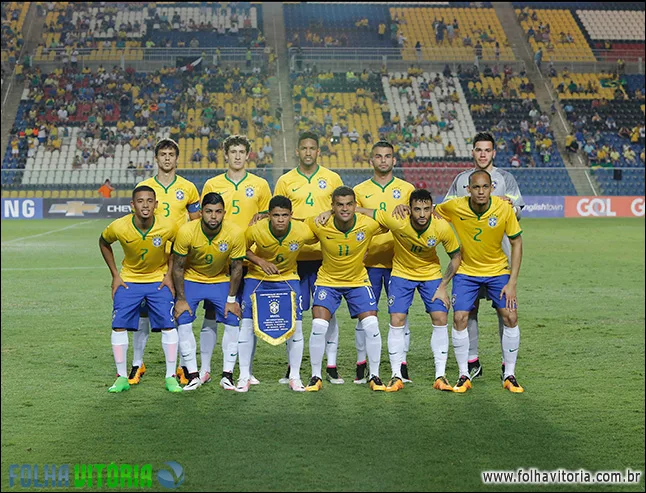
column 481, row 234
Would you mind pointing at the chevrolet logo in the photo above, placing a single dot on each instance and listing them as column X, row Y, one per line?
column 74, row 208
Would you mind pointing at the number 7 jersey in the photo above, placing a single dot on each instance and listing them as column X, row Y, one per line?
column 481, row 234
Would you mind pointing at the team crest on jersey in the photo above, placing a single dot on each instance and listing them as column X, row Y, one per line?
column 322, row 294
column 157, row 241
column 223, row 246
column 322, row 184
column 431, row 242
column 494, row 184
column 293, row 246
column 361, row 236
column 274, row 307
column 391, row 300
column 249, row 191
column 179, row 194
column 397, row 194
column 493, row 221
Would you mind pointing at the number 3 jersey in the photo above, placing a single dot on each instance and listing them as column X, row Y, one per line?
column 208, row 259
column 481, row 234
column 176, row 200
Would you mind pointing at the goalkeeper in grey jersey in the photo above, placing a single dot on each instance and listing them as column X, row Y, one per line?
column 504, row 185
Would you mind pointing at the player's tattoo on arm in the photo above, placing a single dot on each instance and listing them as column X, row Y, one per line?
column 451, row 269
column 236, row 276
column 179, row 264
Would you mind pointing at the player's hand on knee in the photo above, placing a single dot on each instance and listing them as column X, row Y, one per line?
column 181, row 307
column 233, row 308
column 441, row 294
column 116, row 283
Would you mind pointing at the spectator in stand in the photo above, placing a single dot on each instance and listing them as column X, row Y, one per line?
column 515, row 161
column 449, row 150
column 197, row 156
column 571, row 144
column 106, row 189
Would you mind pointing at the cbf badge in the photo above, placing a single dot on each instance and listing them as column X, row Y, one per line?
column 274, row 314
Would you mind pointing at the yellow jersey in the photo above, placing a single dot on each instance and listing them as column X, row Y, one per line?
column 175, row 201
column 343, row 252
column 242, row 200
column 208, row 259
column 282, row 252
column 145, row 254
column 309, row 196
column 415, row 256
column 481, row 234
column 371, row 195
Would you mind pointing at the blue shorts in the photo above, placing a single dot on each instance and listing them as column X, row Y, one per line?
column 308, row 271
column 378, row 275
column 360, row 300
column 466, row 289
column 215, row 293
column 251, row 284
column 402, row 292
column 127, row 303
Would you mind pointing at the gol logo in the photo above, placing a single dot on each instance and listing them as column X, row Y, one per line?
column 595, row 207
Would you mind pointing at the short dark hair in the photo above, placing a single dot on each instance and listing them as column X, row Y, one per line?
column 280, row 201
column 308, row 135
column 164, row 143
column 382, row 143
column 237, row 140
column 143, row 188
column 343, row 191
column 479, row 172
column 484, row 137
column 420, row 195
column 212, row 198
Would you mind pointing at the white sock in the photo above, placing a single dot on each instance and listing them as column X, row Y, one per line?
column 472, row 329
column 440, row 348
column 254, row 340
column 360, row 342
column 208, row 341
column 170, row 340
column 461, row 349
column 396, row 349
column 188, row 347
column 332, row 342
column 230, row 347
column 120, row 351
column 510, row 345
column 373, row 343
column 296, row 344
column 406, row 340
column 245, row 347
column 139, row 340
column 317, row 345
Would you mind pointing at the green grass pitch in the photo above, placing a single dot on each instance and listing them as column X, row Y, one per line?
column 581, row 313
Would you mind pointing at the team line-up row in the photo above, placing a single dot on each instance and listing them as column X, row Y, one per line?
column 324, row 242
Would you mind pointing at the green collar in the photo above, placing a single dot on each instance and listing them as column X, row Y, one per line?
column 383, row 189
column 210, row 240
column 166, row 188
column 143, row 235
column 420, row 233
column 226, row 176
column 318, row 167
column 346, row 233
column 485, row 211
column 280, row 239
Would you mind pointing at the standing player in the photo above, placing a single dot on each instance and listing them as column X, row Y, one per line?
column 344, row 242
column 202, row 253
column 382, row 192
column 309, row 187
column 504, row 186
column 481, row 221
column 145, row 276
column 416, row 266
column 279, row 241
column 245, row 196
column 178, row 201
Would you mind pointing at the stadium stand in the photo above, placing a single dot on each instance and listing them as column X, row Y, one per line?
column 13, row 19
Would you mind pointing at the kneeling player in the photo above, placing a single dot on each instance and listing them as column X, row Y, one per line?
column 279, row 241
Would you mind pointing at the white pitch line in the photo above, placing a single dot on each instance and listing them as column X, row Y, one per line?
column 43, row 234
column 18, row 269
